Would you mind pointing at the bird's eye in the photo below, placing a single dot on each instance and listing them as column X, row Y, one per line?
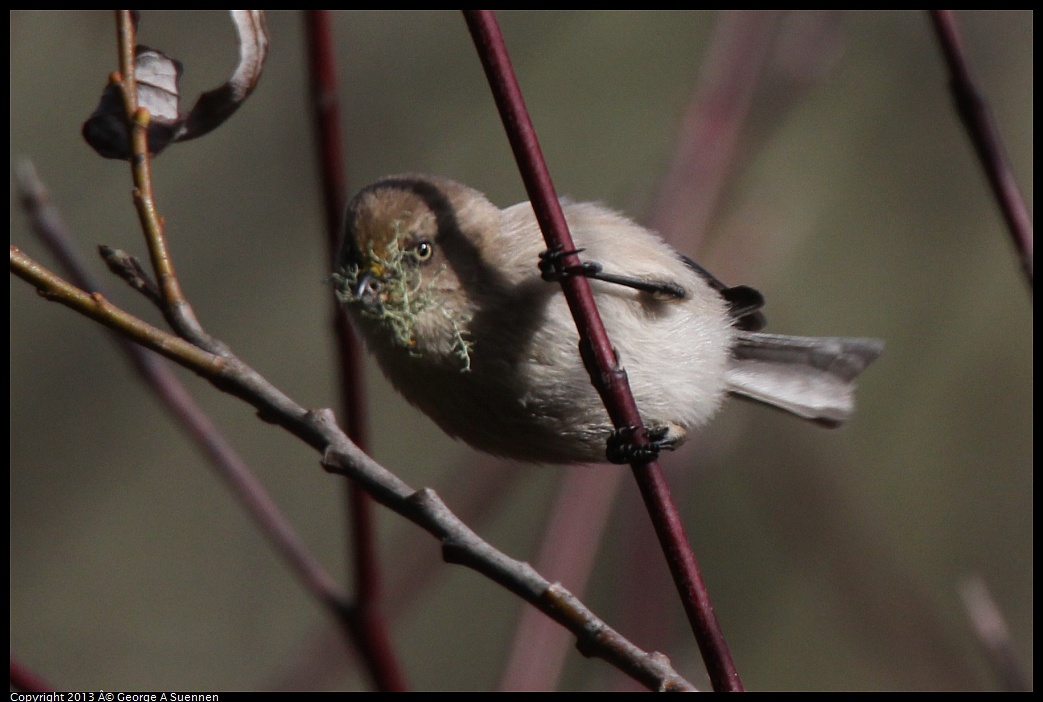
column 424, row 250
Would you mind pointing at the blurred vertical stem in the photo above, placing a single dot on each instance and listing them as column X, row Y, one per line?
column 993, row 635
column 611, row 382
column 704, row 153
column 567, row 555
column 977, row 119
column 369, row 625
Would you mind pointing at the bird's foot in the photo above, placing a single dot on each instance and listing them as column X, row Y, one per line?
column 622, row 448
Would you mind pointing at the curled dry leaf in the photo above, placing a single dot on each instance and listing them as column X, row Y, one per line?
column 215, row 106
column 157, row 77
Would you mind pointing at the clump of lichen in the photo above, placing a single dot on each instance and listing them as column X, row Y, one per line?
column 461, row 345
column 402, row 298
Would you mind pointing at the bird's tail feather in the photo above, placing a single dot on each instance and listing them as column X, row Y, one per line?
column 811, row 377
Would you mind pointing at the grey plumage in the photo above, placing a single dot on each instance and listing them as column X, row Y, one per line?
column 811, row 377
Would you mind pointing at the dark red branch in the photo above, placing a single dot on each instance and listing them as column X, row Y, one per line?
column 977, row 119
column 611, row 381
column 25, row 680
column 369, row 628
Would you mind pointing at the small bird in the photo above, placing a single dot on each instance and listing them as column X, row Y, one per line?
column 451, row 294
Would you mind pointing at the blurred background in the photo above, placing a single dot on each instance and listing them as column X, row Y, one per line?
column 852, row 200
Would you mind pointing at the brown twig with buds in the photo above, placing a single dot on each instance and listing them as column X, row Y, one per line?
column 49, row 226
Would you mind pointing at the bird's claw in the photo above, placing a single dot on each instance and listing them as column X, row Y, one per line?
column 552, row 269
column 622, row 449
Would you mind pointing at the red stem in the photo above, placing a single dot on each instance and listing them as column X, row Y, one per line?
column 704, row 154
column 611, row 380
column 977, row 119
column 25, row 680
column 369, row 627
column 567, row 555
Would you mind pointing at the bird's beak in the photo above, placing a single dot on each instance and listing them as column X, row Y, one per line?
column 368, row 287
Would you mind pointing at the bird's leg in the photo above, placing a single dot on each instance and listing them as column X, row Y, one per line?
column 552, row 269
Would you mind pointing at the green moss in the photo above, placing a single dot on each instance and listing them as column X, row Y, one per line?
column 403, row 297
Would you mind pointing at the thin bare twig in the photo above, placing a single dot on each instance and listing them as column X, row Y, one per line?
column 319, row 662
column 375, row 643
column 993, row 635
column 609, row 379
column 176, row 308
column 318, row 428
column 130, row 270
column 96, row 307
column 977, row 119
column 49, row 225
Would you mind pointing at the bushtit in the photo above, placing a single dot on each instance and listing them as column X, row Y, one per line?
column 447, row 293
